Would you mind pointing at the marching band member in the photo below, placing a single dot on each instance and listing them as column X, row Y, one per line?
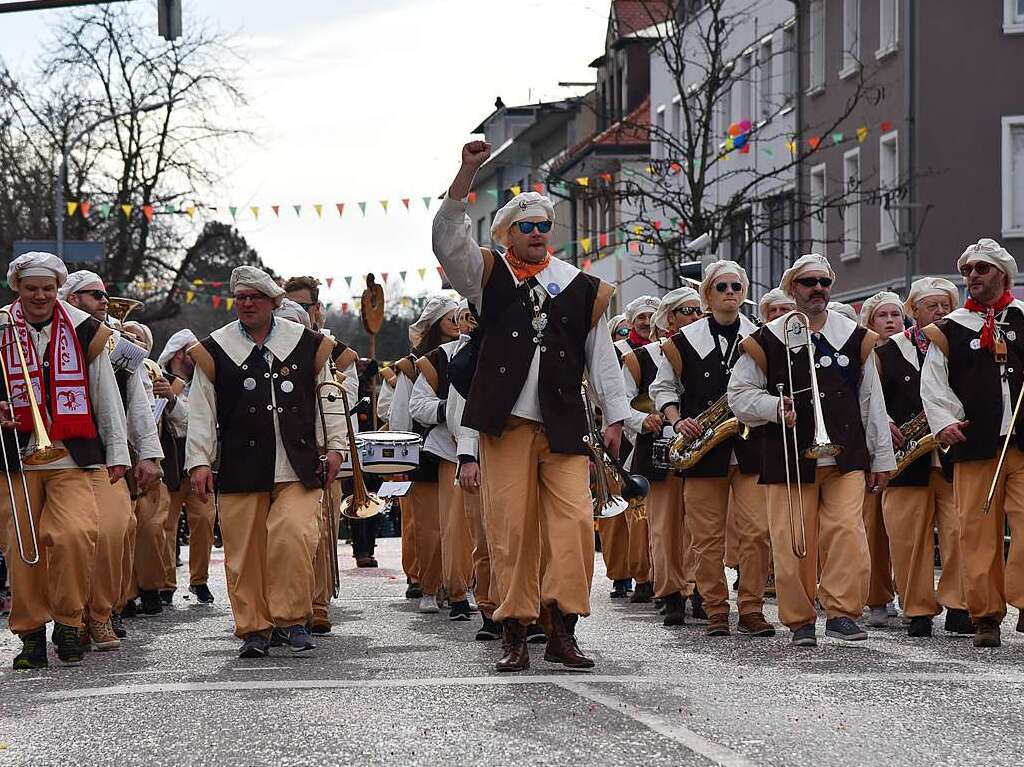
column 436, row 325
column 970, row 382
column 86, row 291
column 175, row 387
column 844, row 309
column 613, row 532
column 542, row 329
column 618, row 327
column 700, row 359
column 922, row 494
column 671, row 557
column 882, row 313
column 66, row 360
column 853, row 411
column 774, row 304
column 255, row 380
column 427, row 404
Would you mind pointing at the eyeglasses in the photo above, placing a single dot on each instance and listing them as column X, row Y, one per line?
column 528, row 226
column 623, row 332
column 305, row 306
column 686, row 311
column 980, row 267
column 249, row 298
column 721, row 287
column 812, row 282
column 99, row 295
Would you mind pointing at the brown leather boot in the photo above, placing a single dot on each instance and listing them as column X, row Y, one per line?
column 986, row 633
column 513, row 642
column 675, row 610
column 718, row 625
column 562, row 647
column 754, row 624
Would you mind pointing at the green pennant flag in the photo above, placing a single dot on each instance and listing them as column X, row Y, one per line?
column 837, row 138
column 297, row 209
column 362, row 207
column 402, row 275
column 169, row 209
column 769, row 151
column 493, row 192
column 426, row 202
column 348, row 281
column 233, row 210
column 105, row 209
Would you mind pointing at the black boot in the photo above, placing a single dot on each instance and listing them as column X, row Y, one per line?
column 675, row 610
column 151, row 604
column 920, row 626
column 130, row 609
column 958, row 622
column 697, row 607
column 33, row 651
column 68, row 643
column 117, row 624
column 643, row 593
column 517, row 652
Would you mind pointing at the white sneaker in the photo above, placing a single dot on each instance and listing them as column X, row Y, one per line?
column 879, row 617
column 428, row 604
column 471, row 598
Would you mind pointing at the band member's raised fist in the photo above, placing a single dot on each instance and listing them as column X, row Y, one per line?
column 475, row 153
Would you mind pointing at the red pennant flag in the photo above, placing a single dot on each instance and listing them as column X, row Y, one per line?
column 216, row 301
column 656, row 225
column 277, row 210
column 405, row 202
column 606, row 177
column 676, row 169
column 84, row 208
column 814, row 141
column 682, row 226
column 330, row 280
column 886, row 126
column 385, row 276
column 472, row 198
column 634, row 247
column 341, row 208
column 538, row 188
column 586, row 264
column 215, row 284
column 344, row 306
column 147, row 211
column 602, row 240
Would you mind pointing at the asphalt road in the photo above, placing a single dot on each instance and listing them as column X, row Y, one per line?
column 393, row 687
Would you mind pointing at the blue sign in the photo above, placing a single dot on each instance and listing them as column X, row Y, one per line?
column 75, row 251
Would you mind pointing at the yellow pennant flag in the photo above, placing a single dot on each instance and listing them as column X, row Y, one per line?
column 585, row 242
column 638, row 229
column 862, row 134
column 422, row 273
column 127, row 210
column 791, row 146
column 583, row 181
column 190, row 210
column 230, row 302
column 189, row 296
column 255, row 211
column 516, row 190
column 319, row 209
column 384, row 204
column 72, row 207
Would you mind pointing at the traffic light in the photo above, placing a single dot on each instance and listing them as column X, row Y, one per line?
column 169, row 19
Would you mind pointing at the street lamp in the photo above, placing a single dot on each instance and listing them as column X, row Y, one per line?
column 62, row 169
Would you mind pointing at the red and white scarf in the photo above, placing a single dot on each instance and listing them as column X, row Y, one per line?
column 989, row 312
column 68, row 415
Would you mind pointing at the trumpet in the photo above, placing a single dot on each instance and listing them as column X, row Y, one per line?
column 44, row 451
column 920, row 441
column 797, row 324
column 717, row 425
column 617, row 489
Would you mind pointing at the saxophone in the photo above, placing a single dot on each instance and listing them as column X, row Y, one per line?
column 920, row 441
column 717, row 425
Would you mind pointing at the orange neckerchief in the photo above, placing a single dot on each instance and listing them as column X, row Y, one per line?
column 524, row 270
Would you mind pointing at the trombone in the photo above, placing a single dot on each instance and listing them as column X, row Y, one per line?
column 797, row 324
column 44, row 451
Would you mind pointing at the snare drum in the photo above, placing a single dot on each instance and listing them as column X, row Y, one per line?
column 389, row 452
column 659, row 453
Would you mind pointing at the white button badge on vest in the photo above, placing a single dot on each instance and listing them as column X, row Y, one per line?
column 249, row 384
column 287, row 386
column 975, row 343
column 842, row 360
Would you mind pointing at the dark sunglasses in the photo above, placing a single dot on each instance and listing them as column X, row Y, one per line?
column 622, row 332
column 528, row 226
column 980, row 267
column 99, row 295
column 686, row 311
column 721, row 287
column 811, row 282
column 306, row 307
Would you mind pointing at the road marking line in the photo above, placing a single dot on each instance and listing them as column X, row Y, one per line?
column 680, row 733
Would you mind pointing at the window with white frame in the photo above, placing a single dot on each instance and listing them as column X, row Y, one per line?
column 767, row 97
column 819, row 230
column 790, row 72
column 677, row 119
column 888, row 183
column 851, row 207
column 1013, row 176
column 851, row 37
column 1013, row 17
column 888, row 26
column 817, row 44
column 659, row 135
column 725, row 108
column 745, row 83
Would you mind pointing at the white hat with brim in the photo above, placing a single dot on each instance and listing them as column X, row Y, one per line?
column 36, row 264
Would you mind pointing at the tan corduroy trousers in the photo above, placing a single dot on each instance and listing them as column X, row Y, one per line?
column 670, row 540
column 200, row 535
column 881, row 588
column 114, row 506
column 456, row 534
column 151, row 539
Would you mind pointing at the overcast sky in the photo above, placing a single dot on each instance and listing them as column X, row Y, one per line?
column 365, row 100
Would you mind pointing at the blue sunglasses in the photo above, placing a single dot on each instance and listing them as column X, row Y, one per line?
column 528, row 226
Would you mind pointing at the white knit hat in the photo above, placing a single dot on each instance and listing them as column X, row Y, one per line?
column 522, row 206
column 670, row 301
column 992, row 252
column 36, row 264
column 870, row 305
column 811, row 262
column 931, row 286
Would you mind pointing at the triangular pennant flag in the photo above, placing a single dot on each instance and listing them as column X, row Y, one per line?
column 255, row 211
column 341, row 208
column 72, row 207
column 634, row 247
column 402, row 275
column 384, row 276
column 837, row 138
column 215, row 300
column 384, row 204
column 586, row 264
column 585, row 242
column 422, row 273
column 516, row 190
column 277, row 210
column 348, row 281
column 84, row 208
column 189, row 296
column 233, row 211
column 190, row 211
column 329, row 281
column 791, row 146
column 362, row 207
column 814, row 141
column 606, row 177
column 197, row 281
column 538, row 188
column 319, row 209
column 886, row 126
column 862, row 134
column 471, row 197
column 602, row 240
column 147, row 211
column 230, row 302
column 583, row 181
column 104, row 209
column 656, row 225
column 426, row 203
column 405, row 202
column 127, row 210
column 297, row 209
column 638, row 229
column 676, row 168
column 215, row 283
column 169, row 209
